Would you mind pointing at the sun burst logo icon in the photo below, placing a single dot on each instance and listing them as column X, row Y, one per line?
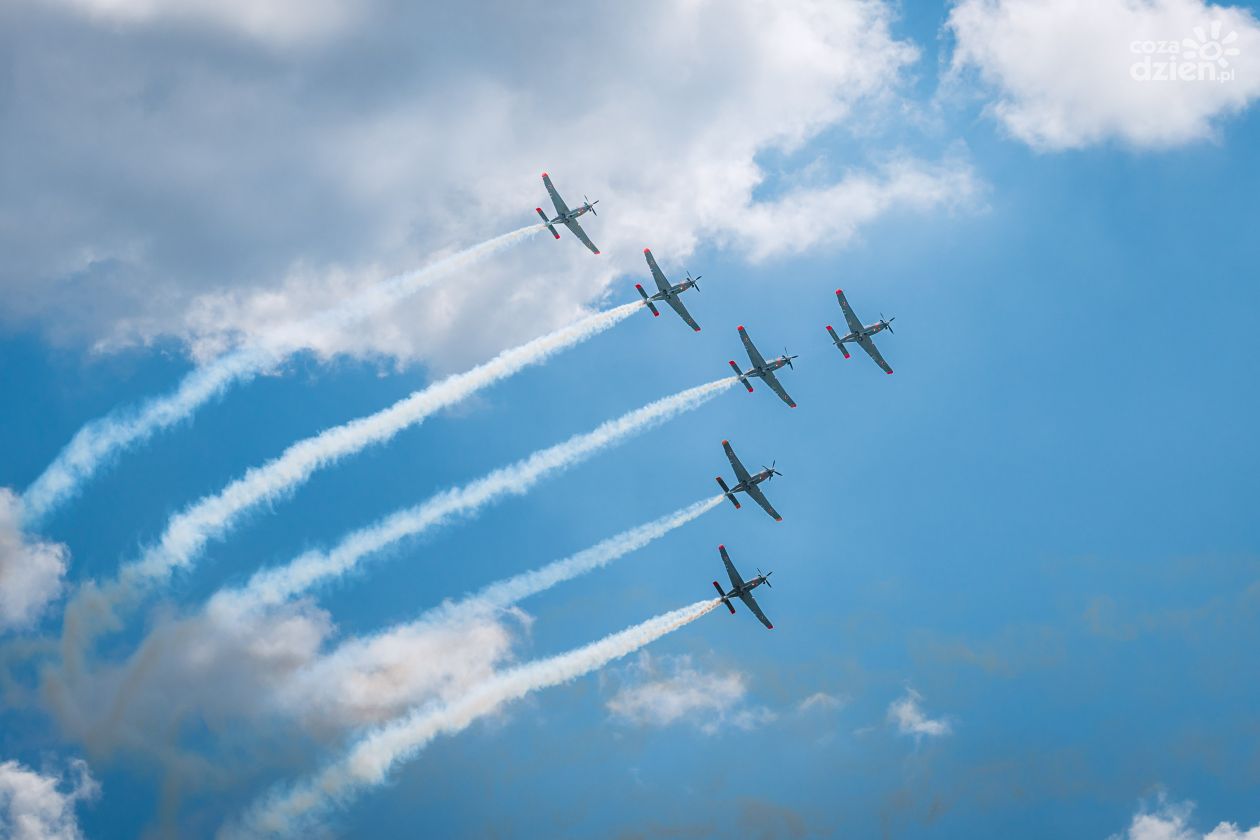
column 1210, row 46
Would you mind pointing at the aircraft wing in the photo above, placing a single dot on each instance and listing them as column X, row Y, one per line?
column 751, row 603
column 854, row 324
column 753, row 354
column 736, row 580
column 678, row 307
column 657, row 275
column 741, row 474
column 760, row 498
column 561, row 207
column 869, row 347
column 773, row 381
column 572, row 225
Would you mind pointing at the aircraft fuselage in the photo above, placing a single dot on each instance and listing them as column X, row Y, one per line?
column 743, row 486
column 771, row 367
column 749, row 586
column 672, row 291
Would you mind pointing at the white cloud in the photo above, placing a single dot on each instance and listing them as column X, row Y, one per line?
column 1064, row 72
column 31, row 569
column 1171, row 821
column 661, row 691
column 223, row 199
column 36, row 807
column 274, row 21
column 908, row 715
column 820, row 700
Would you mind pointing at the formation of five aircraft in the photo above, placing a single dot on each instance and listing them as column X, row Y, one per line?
column 670, row 294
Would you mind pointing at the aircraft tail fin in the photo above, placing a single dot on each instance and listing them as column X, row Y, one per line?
column 722, row 595
column 728, row 492
column 740, row 374
column 839, row 343
column 651, row 306
column 546, row 221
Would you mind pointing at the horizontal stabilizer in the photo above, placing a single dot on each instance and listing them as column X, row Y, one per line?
column 838, row 342
column 728, row 492
column 722, row 595
column 546, row 222
column 651, row 306
column 740, row 374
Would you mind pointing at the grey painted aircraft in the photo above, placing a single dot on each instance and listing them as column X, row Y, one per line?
column 763, row 369
column 742, row 589
column 747, row 483
column 860, row 334
column 567, row 217
column 668, row 293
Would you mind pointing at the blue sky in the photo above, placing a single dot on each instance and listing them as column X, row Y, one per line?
column 1040, row 530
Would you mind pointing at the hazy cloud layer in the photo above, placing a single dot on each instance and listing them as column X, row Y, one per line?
column 171, row 180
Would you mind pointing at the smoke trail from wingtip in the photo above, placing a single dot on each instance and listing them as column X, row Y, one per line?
column 271, row 586
column 370, row 761
column 100, row 439
column 188, row 532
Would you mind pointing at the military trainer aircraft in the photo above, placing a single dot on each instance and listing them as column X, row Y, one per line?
column 748, row 483
column 669, row 293
column 567, row 217
column 763, row 369
column 859, row 334
column 742, row 589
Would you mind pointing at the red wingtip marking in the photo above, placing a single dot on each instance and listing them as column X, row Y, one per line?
column 647, row 250
column 839, row 291
column 725, row 442
column 697, row 329
column 720, row 547
column 741, row 327
column 890, row 373
column 791, row 405
column 597, row 253
column 544, row 174
column 829, row 326
column 656, row 314
column 778, row 519
column 557, row 236
column 769, row 626
column 537, row 209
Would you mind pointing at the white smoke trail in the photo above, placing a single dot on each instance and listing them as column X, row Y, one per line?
column 188, row 532
column 361, row 655
column 369, row 762
column 271, row 586
column 100, row 439
column 518, row 587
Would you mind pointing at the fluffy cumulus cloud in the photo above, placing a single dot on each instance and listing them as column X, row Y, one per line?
column 31, row 569
column 204, row 186
column 1145, row 73
column 1172, row 821
column 661, row 691
column 910, row 719
column 34, row 806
